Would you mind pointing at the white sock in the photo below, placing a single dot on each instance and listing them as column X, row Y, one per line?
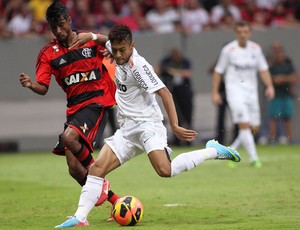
column 89, row 196
column 236, row 143
column 248, row 142
column 189, row 160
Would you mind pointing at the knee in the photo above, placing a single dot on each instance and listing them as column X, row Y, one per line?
column 97, row 169
column 68, row 138
column 163, row 171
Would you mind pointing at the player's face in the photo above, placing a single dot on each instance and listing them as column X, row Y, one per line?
column 61, row 29
column 122, row 51
column 243, row 34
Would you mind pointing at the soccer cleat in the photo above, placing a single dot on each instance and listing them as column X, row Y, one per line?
column 73, row 222
column 110, row 219
column 224, row 153
column 256, row 164
column 104, row 193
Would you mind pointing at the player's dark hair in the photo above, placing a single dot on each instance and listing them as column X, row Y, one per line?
column 119, row 34
column 241, row 24
column 55, row 11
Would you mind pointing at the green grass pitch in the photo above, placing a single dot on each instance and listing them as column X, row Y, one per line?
column 36, row 193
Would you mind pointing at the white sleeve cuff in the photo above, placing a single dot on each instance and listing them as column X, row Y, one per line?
column 108, row 46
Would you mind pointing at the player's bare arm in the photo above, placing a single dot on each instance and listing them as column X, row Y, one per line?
column 216, row 97
column 180, row 132
column 267, row 80
column 83, row 38
column 25, row 81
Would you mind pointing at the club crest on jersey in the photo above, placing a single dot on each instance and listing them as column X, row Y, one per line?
column 81, row 77
column 55, row 48
column 131, row 64
column 87, row 52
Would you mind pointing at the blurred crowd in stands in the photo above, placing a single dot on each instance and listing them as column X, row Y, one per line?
column 27, row 17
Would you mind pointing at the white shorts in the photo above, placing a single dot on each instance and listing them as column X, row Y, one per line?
column 244, row 110
column 136, row 137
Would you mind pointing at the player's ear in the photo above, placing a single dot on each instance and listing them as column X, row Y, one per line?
column 69, row 19
column 132, row 44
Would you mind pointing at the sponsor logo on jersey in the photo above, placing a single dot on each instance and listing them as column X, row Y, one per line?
column 140, row 80
column 150, row 75
column 81, row 77
column 120, row 86
column 244, row 68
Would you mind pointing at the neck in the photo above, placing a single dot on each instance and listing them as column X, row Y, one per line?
column 70, row 40
column 242, row 44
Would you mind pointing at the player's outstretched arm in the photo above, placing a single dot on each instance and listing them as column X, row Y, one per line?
column 180, row 132
column 25, row 81
column 83, row 38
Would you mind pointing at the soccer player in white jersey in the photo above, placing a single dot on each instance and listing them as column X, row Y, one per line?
column 141, row 128
column 239, row 63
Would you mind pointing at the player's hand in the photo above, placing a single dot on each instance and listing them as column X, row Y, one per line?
column 270, row 93
column 81, row 40
column 25, row 80
column 184, row 134
column 107, row 55
column 217, row 99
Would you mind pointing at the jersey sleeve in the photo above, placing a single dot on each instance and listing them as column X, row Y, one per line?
column 223, row 61
column 145, row 76
column 262, row 62
column 43, row 70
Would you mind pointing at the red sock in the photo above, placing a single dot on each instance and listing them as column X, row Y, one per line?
column 84, row 156
column 112, row 197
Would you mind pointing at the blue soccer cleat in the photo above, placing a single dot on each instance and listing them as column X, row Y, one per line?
column 73, row 222
column 224, row 153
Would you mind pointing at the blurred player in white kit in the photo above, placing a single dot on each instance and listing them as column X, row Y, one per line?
column 239, row 62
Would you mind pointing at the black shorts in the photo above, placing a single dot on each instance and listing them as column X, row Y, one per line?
column 89, row 123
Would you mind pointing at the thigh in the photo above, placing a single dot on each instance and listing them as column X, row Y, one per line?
column 89, row 123
column 254, row 113
column 239, row 110
column 123, row 145
column 153, row 136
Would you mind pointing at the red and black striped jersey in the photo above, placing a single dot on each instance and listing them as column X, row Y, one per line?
column 79, row 72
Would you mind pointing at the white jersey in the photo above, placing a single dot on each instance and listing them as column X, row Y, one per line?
column 240, row 66
column 136, row 84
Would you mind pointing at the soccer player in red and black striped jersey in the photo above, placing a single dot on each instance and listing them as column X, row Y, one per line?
column 90, row 91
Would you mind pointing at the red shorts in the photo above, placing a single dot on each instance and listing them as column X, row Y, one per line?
column 89, row 123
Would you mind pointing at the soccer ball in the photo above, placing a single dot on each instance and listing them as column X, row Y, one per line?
column 127, row 211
